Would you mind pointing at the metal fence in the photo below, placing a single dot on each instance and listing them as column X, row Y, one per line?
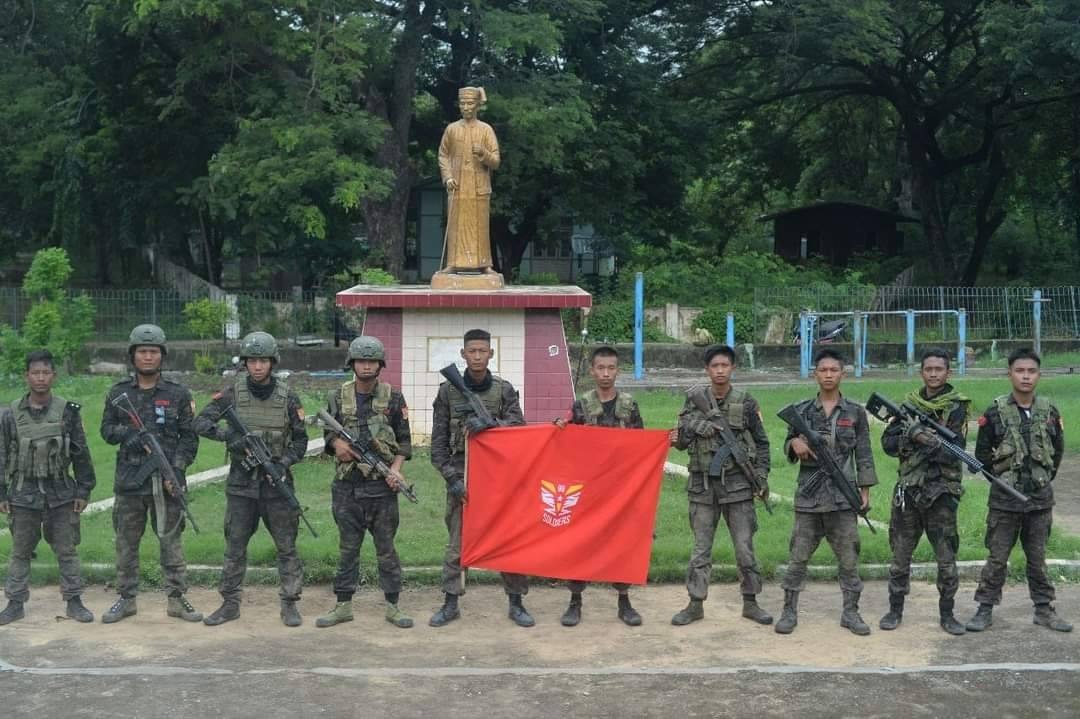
column 992, row 312
column 282, row 314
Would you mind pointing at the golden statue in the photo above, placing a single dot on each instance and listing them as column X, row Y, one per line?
column 468, row 154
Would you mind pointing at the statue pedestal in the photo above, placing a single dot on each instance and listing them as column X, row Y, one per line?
column 477, row 281
column 422, row 327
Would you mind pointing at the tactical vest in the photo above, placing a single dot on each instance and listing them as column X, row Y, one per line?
column 914, row 461
column 268, row 417
column 460, row 410
column 383, row 439
column 594, row 408
column 44, row 449
column 1010, row 455
column 705, row 447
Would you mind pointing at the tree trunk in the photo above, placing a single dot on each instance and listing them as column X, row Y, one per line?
column 924, row 191
column 987, row 218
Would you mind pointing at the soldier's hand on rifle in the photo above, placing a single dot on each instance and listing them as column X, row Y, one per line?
column 395, row 480
column 80, row 505
column 864, row 493
column 764, row 493
column 342, row 451
column 673, row 436
column 5, row 507
column 457, row 490
column 133, row 440
column 181, row 479
column 279, row 468
column 702, row 427
column 801, row 448
column 917, row 433
column 476, row 425
column 559, row 422
column 235, row 442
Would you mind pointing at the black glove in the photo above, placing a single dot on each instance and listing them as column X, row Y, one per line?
column 278, row 469
column 456, row 489
column 134, row 440
column 701, row 427
column 476, row 425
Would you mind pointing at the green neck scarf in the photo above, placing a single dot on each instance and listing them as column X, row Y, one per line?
column 939, row 404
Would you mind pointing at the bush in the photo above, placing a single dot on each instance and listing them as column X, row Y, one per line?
column 539, row 278
column 614, row 322
column 206, row 363
column 206, row 319
column 714, row 319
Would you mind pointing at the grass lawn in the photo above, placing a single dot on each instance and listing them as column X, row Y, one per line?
column 422, row 535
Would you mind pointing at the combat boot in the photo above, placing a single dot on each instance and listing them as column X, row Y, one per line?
column 122, row 607
column 518, row 613
column 627, row 613
column 693, row 611
column 572, row 616
column 397, row 617
column 983, row 619
column 180, row 608
column 849, row 618
column 447, row 613
column 896, row 613
column 13, row 612
column 290, row 615
column 948, row 621
column 751, row 610
column 1045, row 616
column 789, row 618
column 341, row 613
column 78, row 612
column 227, row 612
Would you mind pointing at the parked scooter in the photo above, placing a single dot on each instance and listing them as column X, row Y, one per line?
column 823, row 332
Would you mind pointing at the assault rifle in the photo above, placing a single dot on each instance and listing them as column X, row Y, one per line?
column 365, row 454
column 258, row 457
column 829, row 467
column 169, row 480
column 732, row 448
column 482, row 419
column 945, row 438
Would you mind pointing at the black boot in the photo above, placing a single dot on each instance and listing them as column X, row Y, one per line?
column 1045, row 616
column 627, row 613
column 13, row 612
column 983, row 619
column 518, row 613
column 572, row 616
column 290, row 615
column 789, row 618
column 227, row 612
column 692, row 612
column 77, row 611
column 447, row 613
column 751, row 610
column 850, row 618
column 948, row 621
column 896, row 612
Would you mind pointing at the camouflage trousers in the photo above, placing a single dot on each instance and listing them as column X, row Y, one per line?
column 242, row 515
column 355, row 516
column 841, row 530
column 1002, row 530
column 452, row 582
column 577, row 586
column 906, row 527
column 742, row 523
column 60, row 526
column 130, row 513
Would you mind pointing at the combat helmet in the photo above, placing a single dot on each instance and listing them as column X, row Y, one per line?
column 259, row 344
column 366, row 347
column 146, row 336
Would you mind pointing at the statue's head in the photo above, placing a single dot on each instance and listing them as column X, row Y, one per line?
column 470, row 100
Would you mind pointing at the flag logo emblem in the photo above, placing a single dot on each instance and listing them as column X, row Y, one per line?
column 558, row 500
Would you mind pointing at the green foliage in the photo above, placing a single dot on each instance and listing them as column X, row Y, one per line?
column 377, row 276
column 539, row 278
column 56, row 321
column 714, row 319
column 205, row 363
column 614, row 322
column 206, row 319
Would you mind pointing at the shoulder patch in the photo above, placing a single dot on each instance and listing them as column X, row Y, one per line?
column 845, row 422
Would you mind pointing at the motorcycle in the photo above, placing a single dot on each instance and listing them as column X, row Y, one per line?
column 823, row 332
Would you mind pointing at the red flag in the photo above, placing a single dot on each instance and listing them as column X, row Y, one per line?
column 574, row 503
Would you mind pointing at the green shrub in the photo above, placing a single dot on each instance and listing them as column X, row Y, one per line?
column 206, row 363
column 614, row 322
column 539, row 278
column 714, row 319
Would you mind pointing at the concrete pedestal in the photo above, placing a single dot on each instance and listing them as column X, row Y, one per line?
column 422, row 330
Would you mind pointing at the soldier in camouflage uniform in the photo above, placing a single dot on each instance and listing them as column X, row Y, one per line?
column 41, row 438
column 730, row 494
column 820, row 510
column 452, row 420
column 374, row 413
column 267, row 407
column 1022, row 437
column 928, row 491
column 166, row 409
column 603, row 407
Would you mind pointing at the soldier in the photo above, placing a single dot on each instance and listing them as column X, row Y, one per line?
column 728, row 494
column 267, row 407
column 452, row 420
column 823, row 512
column 603, row 407
column 166, row 409
column 362, row 501
column 928, row 491
column 40, row 438
column 1022, row 437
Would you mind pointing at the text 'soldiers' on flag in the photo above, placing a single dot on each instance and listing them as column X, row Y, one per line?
column 573, row 503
